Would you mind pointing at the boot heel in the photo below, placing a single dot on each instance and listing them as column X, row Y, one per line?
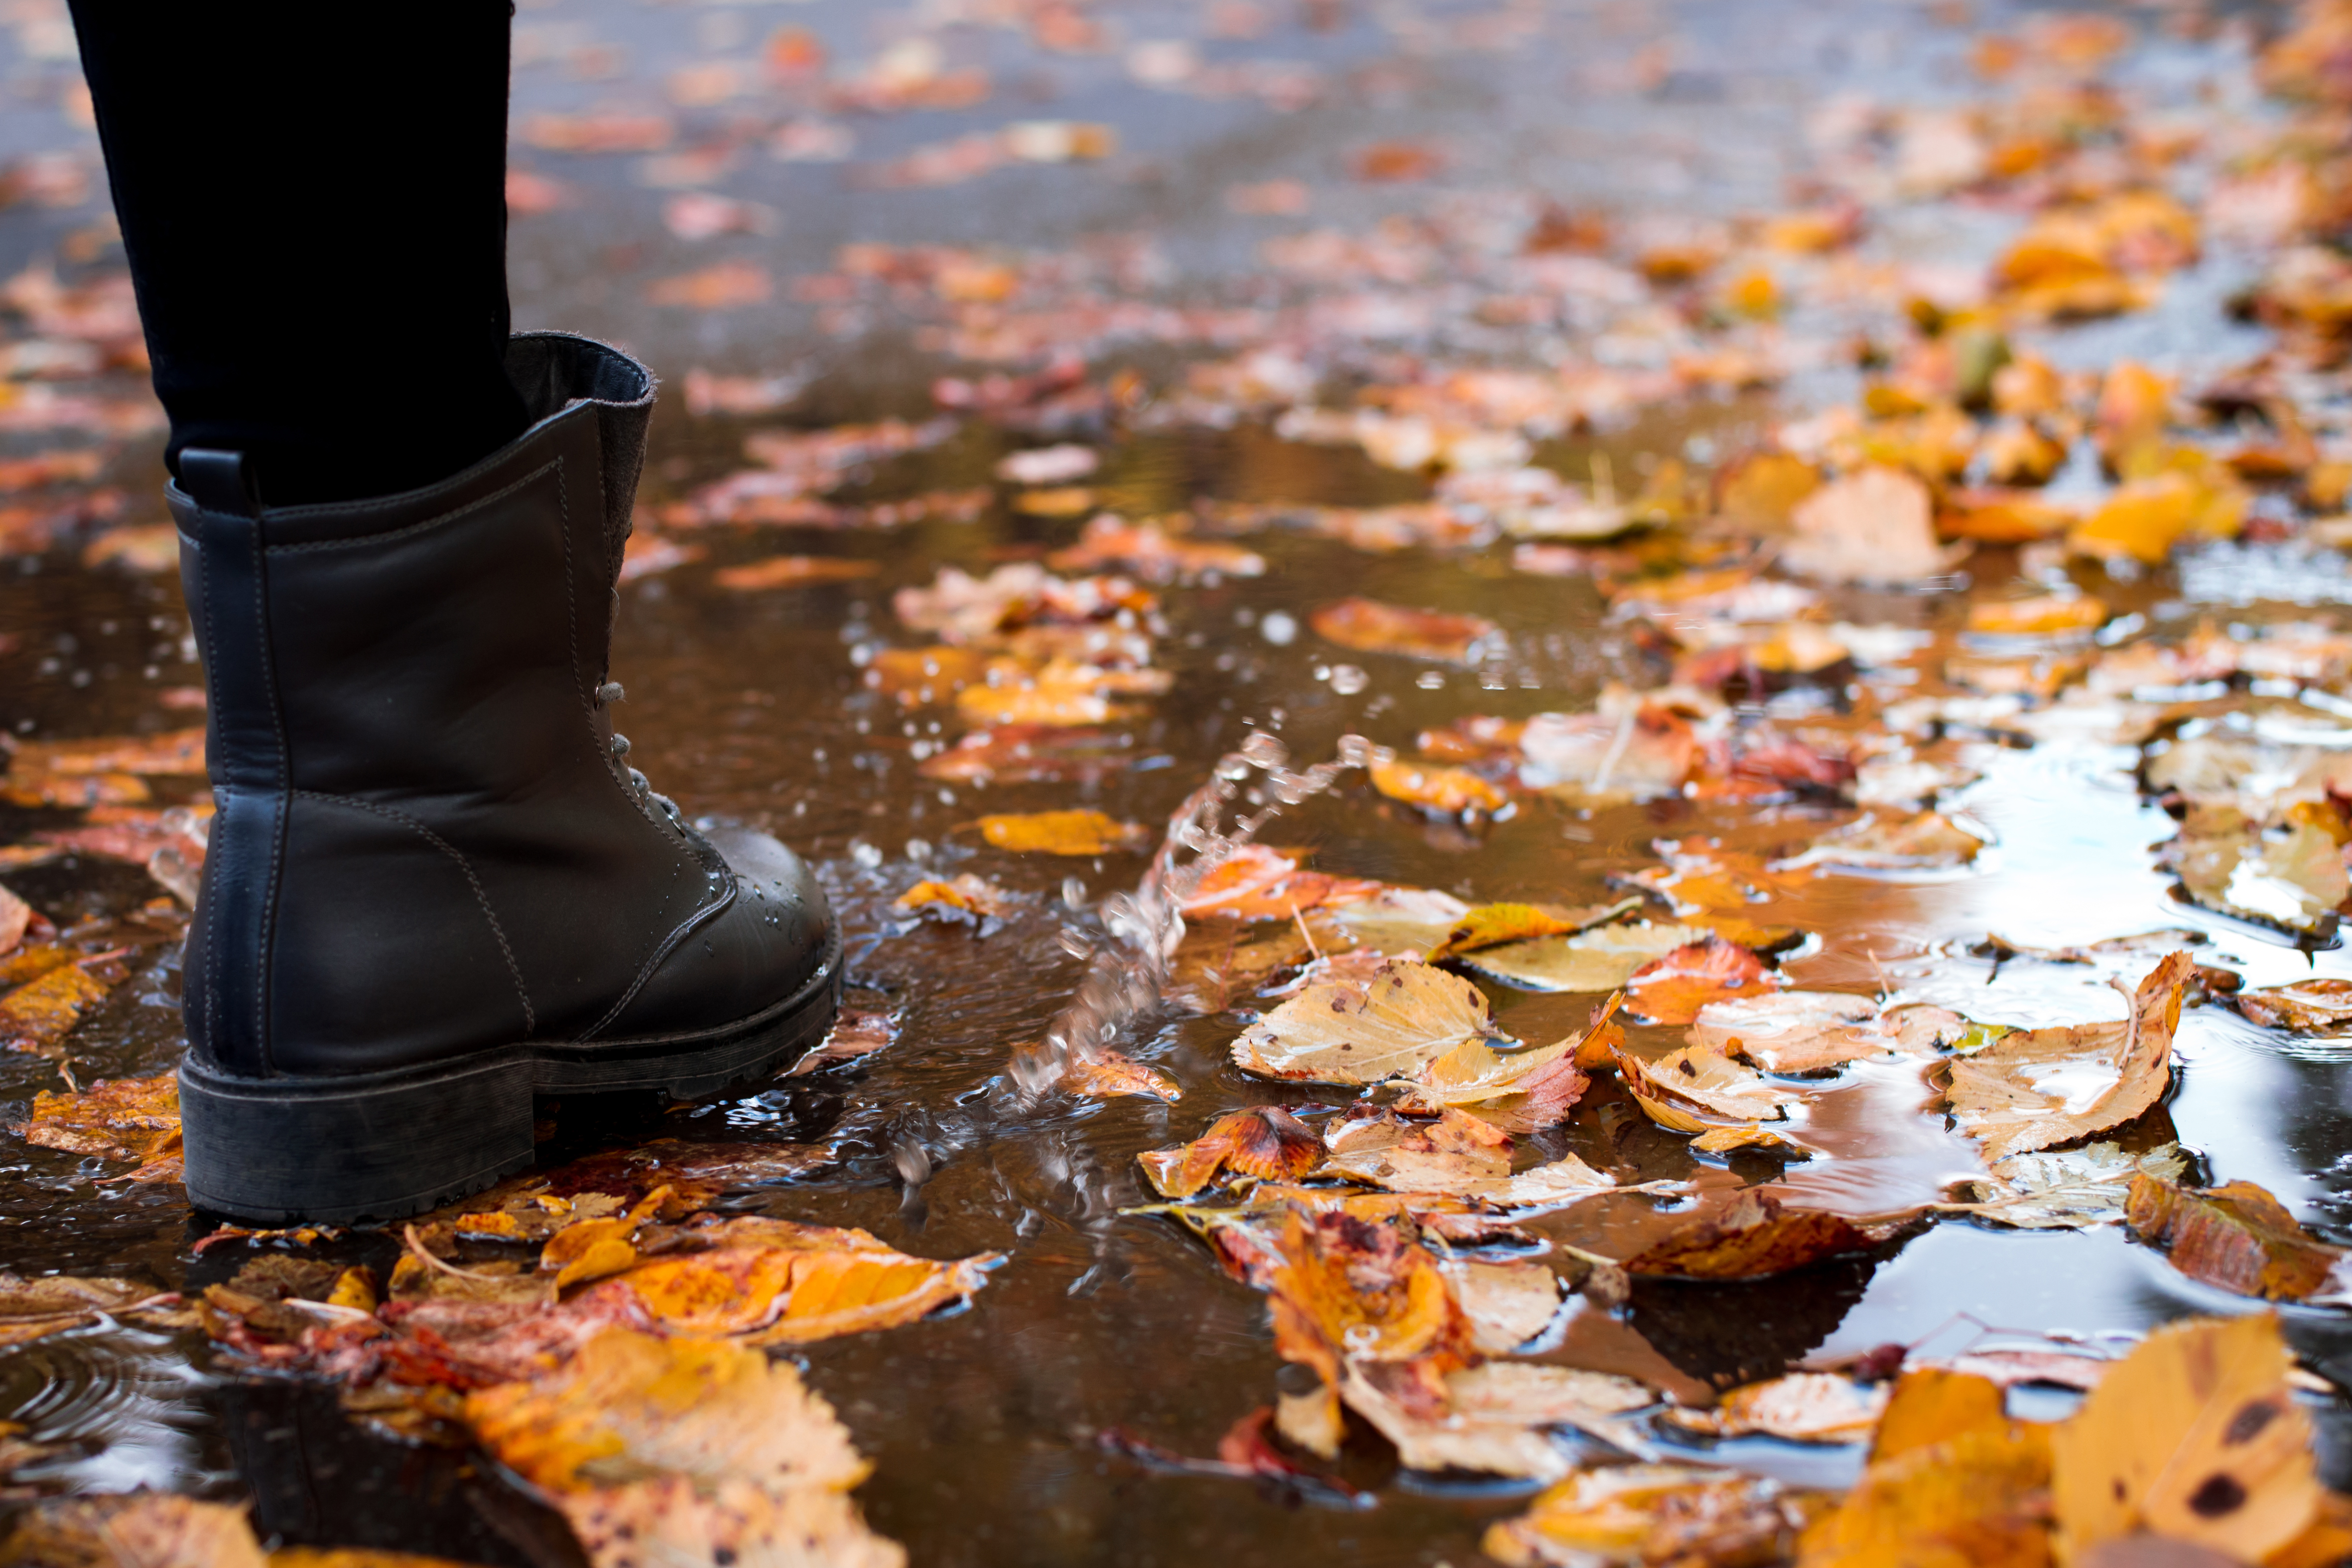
column 335, row 1150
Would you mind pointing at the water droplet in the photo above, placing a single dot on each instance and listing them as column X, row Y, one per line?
column 864, row 854
column 1429, row 680
column 918, row 849
column 1347, row 679
column 1278, row 628
column 1264, row 750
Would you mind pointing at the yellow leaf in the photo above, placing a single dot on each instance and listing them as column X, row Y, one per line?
column 2194, row 1436
column 1062, row 833
column 1388, row 1023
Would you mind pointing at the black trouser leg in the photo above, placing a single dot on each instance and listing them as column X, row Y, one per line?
column 313, row 200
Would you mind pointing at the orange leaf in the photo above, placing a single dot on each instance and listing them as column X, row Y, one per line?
column 1672, row 990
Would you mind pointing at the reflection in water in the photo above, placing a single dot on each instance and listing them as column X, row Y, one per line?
column 118, row 1402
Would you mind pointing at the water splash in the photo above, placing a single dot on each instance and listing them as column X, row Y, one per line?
column 1127, row 964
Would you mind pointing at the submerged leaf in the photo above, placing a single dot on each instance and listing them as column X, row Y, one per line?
column 145, row 1530
column 1636, row 1514
column 2318, row 1005
column 1793, row 1031
column 1370, row 627
column 36, row 1015
column 2071, row 1189
column 1446, row 792
column 118, row 1119
column 1109, row 1074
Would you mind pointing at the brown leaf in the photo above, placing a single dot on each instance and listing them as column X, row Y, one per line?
column 1753, row 1237
column 1875, row 526
column 1979, row 1497
column 1062, row 833
column 2318, row 1005
column 1370, row 627
column 856, row 1031
column 1266, row 1143
column 968, row 899
column 2037, row 1088
column 1108, row 1075
column 33, row 1309
column 2236, row 1236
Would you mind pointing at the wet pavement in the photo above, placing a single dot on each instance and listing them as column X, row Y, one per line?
column 766, row 706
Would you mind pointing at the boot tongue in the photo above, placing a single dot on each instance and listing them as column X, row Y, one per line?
column 219, row 481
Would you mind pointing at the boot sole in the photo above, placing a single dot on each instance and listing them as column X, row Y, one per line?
column 385, row 1146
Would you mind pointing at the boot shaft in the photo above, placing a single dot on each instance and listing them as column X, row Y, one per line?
column 421, row 819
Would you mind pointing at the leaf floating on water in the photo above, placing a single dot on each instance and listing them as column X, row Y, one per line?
column 1389, row 1024
column 1634, row 1514
column 1442, row 790
column 1929, row 841
column 792, row 572
column 968, row 899
column 1877, row 526
column 2319, row 1005
column 1976, row 1494
column 1370, row 627
column 1497, row 925
column 857, row 1033
column 116, row 1119
column 38, row 1015
column 33, row 1309
column 1802, row 1407
column 1752, row 1237
column 145, row 1530
column 1062, row 833
column 1601, row 959
column 2071, row 1189
column 654, row 1448
column 2194, row 1437
column 1108, row 1075
column 1518, row 1092
column 1266, row 1143
column 1695, row 1089
column 1793, row 1031
column 1673, row 988
column 2236, row 1236
column 2037, row 1088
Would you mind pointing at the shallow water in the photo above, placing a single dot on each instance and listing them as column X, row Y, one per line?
column 986, row 1427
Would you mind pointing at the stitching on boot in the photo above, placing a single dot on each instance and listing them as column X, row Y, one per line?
column 482, row 895
column 670, row 944
column 438, row 521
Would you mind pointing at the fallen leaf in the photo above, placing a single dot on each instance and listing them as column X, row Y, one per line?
column 1492, row 925
column 1979, row 1498
column 1253, row 882
column 1508, row 1304
column 2073, row 1188
column 2318, row 1005
column 1151, row 553
column 1885, row 841
column 2193, row 1436
column 1698, row 1088
column 1388, row 1023
column 2041, row 616
column 35, row 1308
column 1673, row 989
column 1802, row 1407
column 1875, row 526
column 1627, row 1515
column 792, row 572
column 727, row 285
column 1601, row 959
column 1793, row 1031
column 2236, row 1236
column 2036, row 1088
column 1752, row 1237
column 1447, row 792
column 1519, row 1091
column 1062, row 833
column 143, row 1530
column 40, row 1014
column 1266, row 1143
column 968, row 899
column 1108, row 1075
column 1370, row 627
column 653, row 1523
column 116, row 1119
column 856, row 1031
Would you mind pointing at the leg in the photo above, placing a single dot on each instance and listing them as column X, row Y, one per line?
column 287, row 172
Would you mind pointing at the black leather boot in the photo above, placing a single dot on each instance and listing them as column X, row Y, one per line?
column 435, row 887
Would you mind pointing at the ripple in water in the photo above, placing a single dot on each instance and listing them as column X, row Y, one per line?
column 121, row 1399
